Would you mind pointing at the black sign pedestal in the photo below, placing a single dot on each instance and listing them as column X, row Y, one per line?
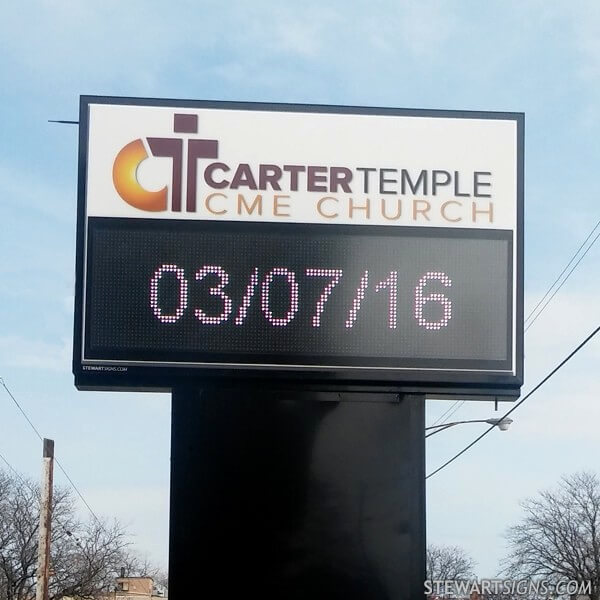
column 297, row 495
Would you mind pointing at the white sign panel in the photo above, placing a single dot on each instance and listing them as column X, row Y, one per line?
column 248, row 165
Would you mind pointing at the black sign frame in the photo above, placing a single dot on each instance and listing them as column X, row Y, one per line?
column 114, row 375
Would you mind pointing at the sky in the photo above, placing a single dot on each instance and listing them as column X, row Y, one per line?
column 532, row 56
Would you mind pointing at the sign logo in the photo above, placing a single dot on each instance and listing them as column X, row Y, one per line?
column 134, row 153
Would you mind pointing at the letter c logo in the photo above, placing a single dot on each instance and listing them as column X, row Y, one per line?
column 125, row 179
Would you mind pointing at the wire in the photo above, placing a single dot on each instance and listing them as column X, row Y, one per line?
column 562, row 283
column 537, row 387
column 548, row 292
column 444, row 414
column 36, row 493
column 563, row 271
column 78, row 492
column 58, row 463
column 21, row 410
column 531, row 314
column 451, row 411
column 454, row 411
column 12, row 469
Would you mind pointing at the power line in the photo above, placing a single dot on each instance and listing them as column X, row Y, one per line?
column 548, row 292
column 456, row 406
column 58, row 463
column 531, row 316
column 538, row 386
column 21, row 410
column 562, row 283
column 77, row 490
column 562, row 272
column 443, row 416
column 462, row 402
column 36, row 493
column 12, row 469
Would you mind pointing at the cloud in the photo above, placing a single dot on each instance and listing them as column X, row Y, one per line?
column 27, row 192
column 303, row 34
column 573, row 27
column 21, row 352
column 584, row 19
column 420, row 28
column 254, row 39
column 125, row 46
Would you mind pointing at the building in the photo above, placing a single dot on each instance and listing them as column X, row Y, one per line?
column 131, row 588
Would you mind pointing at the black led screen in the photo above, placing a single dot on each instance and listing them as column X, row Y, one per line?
column 207, row 293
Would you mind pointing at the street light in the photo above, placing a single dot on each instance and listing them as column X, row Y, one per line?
column 501, row 424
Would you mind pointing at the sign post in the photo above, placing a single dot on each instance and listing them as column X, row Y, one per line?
column 301, row 278
column 297, row 495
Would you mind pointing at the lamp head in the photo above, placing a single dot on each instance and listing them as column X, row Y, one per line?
column 502, row 424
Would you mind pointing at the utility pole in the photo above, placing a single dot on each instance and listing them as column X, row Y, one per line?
column 43, row 569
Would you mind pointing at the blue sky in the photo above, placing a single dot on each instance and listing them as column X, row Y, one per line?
column 528, row 56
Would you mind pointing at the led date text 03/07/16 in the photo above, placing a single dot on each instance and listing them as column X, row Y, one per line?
column 258, row 289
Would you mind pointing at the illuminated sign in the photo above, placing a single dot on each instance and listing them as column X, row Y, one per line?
column 328, row 245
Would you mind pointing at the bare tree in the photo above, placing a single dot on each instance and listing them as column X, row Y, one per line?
column 446, row 563
column 559, row 535
column 85, row 556
column 86, row 561
column 19, row 519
